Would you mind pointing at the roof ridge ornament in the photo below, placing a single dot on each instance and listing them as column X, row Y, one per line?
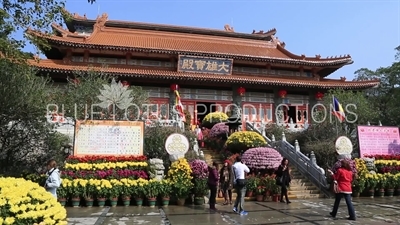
column 101, row 20
column 270, row 31
column 228, row 28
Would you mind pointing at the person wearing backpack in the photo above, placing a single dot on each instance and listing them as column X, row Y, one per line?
column 53, row 180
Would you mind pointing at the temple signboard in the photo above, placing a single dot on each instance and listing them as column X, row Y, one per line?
column 196, row 64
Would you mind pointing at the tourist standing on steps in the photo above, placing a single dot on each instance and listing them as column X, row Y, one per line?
column 226, row 181
column 199, row 135
column 343, row 179
column 213, row 179
column 53, row 180
column 283, row 179
column 239, row 170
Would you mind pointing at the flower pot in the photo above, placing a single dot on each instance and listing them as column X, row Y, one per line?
column 275, row 198
column 75, row 201
column 139, row 201
column 371, row 193
column 268, row 193
column 199, row 200
column 62, row 201
column 180, row 201
column 260, row 198
column 101, row 202
column 356, row 194
column 89, row 202
column 126, row 200
column 381, row 192
column 165, row 201
column 113, row 202
column 152, row 202
column 249, row 193
column 389, row 192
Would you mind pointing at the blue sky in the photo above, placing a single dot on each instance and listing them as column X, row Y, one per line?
column 367, row 30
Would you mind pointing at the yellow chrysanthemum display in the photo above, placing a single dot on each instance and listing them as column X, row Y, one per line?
column 104, row 166
column 25, row 202
column 243, row 140
column 180, row 175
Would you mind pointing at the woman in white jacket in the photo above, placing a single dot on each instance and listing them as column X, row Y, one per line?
column 53, row 180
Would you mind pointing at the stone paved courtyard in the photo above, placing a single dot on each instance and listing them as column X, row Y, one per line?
column 311, row 211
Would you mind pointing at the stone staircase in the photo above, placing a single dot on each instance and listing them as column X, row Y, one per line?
column 210, row 156
column 300, row 188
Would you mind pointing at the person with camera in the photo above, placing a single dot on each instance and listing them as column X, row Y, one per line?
column 239, row 171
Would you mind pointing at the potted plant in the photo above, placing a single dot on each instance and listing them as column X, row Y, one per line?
column 126, row 191
column 371, row 181
column 180, row 175
column 275, row 190
column 138, row 191
column 62, row 194
column 390, row 184
column 151, row 191
column 358, row 186
column 102, row 191
column 260, row 191
column 76, row 192
column 165, row 192
column 382, row 182
column 251, row 185
column 200, row 189
column 88, row 192
column 113, row 194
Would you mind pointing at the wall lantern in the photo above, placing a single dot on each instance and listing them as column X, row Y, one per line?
column 282, row 93
column 174, row 87
column 76, row 81
column 241, row 91
column 125, row 83
column 319, row 96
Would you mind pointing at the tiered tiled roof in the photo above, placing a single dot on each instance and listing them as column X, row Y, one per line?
column 176, row 40
column 152, row 38
column 60, row 67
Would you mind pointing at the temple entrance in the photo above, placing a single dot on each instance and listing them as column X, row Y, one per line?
column 204, row 108
column 291, row 114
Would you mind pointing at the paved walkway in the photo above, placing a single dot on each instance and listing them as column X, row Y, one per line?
column 369, row 211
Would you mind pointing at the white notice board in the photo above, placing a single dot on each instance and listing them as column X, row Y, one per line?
column 104, row 137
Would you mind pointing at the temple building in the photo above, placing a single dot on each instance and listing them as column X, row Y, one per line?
column 211, row 68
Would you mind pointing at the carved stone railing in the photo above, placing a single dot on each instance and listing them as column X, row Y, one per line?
column 307, row 166
column 290, row 126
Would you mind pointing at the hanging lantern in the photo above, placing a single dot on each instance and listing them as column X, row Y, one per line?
column 174, row 87
column 125, row 83
column 76, row 81
column 282, row 93
column 319, row 96
column 241, row 91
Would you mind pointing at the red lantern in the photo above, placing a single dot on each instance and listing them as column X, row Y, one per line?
column 282, row 93
column 76, row 81
column 319, row 96
column 174, row 87
column 241, row 91
column 125, row 83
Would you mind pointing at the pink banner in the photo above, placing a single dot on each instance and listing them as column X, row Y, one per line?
column 378, row 140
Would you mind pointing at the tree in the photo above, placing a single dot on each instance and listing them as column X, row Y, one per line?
column 25, row 137
column 385, row 97
column 96, row 95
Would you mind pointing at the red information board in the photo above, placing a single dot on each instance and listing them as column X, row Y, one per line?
column 378, row 140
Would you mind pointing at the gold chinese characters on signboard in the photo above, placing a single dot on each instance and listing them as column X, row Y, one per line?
column 205, row 65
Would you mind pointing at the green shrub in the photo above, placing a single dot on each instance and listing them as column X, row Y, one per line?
column 213, row 118
column 154, row 141
column 240, row 141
